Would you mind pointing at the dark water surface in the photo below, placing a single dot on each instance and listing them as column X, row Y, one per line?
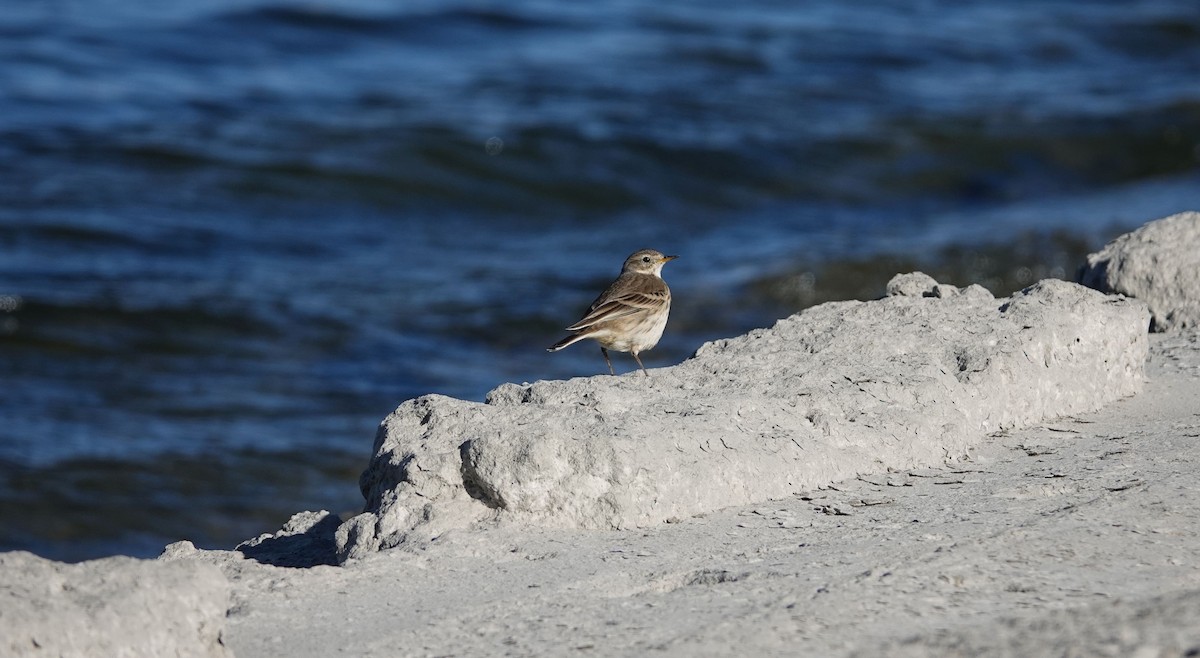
column 235, row 234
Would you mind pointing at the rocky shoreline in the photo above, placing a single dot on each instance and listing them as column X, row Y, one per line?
column 937, row 472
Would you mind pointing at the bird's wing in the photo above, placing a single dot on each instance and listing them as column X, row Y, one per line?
column 610, row 308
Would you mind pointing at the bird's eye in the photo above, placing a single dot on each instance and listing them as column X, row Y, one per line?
column 645, row 259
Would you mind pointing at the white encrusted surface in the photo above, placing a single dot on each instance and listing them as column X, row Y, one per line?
column 1159, row 264
column 840, row 389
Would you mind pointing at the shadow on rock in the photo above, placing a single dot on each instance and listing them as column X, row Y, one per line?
column 307, row 540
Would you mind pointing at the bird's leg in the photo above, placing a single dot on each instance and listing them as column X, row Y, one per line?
column 635, row 358
column 610, row 368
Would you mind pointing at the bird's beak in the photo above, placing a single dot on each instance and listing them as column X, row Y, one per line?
column 667, row 258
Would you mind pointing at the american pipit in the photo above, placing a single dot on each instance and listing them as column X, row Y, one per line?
column 631, row 314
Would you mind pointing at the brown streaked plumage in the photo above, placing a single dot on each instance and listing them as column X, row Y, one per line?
column 630, row 315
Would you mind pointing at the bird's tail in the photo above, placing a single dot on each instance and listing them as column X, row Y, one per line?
column 569, row 340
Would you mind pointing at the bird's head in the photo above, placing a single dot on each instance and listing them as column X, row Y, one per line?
column 646, row 261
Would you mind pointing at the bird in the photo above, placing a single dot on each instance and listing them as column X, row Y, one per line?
column 630, row 315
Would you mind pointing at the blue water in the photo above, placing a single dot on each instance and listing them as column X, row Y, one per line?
column 235, row 234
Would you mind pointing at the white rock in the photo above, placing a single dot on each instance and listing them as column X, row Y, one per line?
column 919, row 284
column 912, row 284
column 840, row 389
column 112, row 607
column 1159, row 264
column 306, row 540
